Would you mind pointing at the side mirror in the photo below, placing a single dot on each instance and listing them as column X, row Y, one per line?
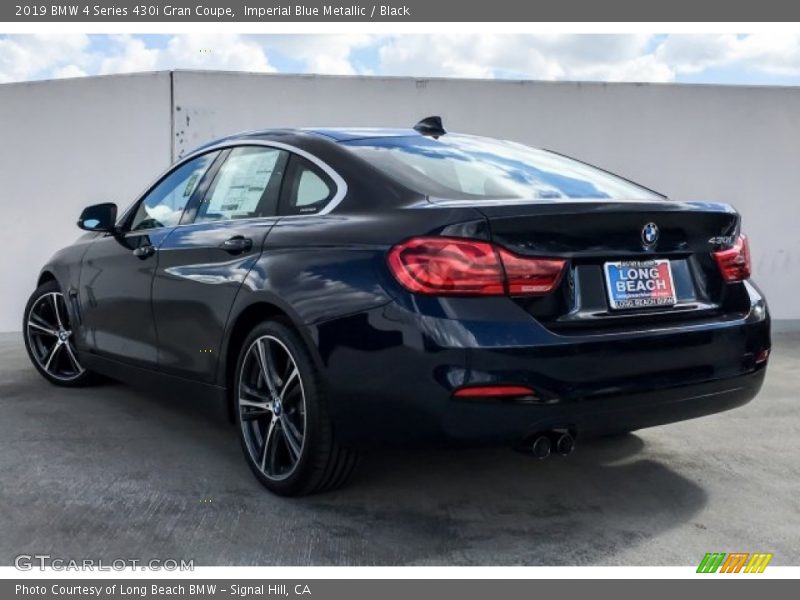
column 99, row 217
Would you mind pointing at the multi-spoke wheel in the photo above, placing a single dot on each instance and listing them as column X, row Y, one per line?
column 285, row 430
column 272, row 407
column 49, row 337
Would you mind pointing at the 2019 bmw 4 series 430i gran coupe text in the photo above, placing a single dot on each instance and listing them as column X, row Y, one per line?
column 346, row 287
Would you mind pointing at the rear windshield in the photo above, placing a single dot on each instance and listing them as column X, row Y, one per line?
column 469, row 167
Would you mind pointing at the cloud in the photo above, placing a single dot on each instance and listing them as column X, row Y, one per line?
column 696, row 53
column 775, row 54
column 232, row 52
column 323, row 54
column 229, row 52
column 443, row 56
column 68, row 71
column 589, row 57
column 548, row 57
column 26, row 57
column 128, row 54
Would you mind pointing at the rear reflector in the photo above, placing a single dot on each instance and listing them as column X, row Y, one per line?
column 734, row 263
column 455, row 266
column 762, row 356
column 494, row 391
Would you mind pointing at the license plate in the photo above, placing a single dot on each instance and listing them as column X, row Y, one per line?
column 639, row 284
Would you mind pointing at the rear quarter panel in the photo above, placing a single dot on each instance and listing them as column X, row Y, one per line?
column 319, row 268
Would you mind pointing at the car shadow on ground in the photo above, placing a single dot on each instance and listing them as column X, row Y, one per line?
column 496, row 506
column 173, row 468
column 486, row 505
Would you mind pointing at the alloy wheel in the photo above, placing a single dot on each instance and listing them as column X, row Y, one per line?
column 272, row 407
column 50, row 337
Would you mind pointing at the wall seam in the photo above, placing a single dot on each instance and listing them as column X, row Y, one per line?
column 171, row 117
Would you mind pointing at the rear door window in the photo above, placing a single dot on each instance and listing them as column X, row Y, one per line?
column 246, row 186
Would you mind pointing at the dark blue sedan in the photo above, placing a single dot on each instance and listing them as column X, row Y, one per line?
column 340, row 289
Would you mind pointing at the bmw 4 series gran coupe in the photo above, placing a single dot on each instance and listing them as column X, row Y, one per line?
column 341, row 288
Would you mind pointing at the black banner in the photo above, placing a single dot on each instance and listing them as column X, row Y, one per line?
column 731, row 588
column 394, row 11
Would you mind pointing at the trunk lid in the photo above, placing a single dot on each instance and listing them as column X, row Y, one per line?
column 592, row 233
column 584, row 228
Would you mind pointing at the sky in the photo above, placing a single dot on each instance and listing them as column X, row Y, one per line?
column 755, row 59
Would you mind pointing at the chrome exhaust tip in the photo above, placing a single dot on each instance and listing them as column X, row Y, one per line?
column 541, row 447
column 564, row 443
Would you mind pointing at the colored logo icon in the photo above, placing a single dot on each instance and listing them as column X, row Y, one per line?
column 735, row 562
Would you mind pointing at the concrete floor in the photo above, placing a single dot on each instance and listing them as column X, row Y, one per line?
column 111, row 472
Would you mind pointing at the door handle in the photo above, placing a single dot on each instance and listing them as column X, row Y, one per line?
column 144, row 251
column 237, row 244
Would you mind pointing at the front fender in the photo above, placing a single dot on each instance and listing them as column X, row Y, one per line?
column 65, row 267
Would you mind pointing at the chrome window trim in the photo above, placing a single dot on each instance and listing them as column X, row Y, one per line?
column 341, row 186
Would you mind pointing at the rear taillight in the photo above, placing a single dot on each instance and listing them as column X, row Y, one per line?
column 530, row 276
column 455, row 266
column 734, row 263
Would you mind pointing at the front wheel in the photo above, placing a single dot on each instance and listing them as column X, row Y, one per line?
column 284, row 426
column 49, row 337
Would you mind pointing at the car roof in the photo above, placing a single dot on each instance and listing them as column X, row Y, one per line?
column 336, row 134
column 342, row 134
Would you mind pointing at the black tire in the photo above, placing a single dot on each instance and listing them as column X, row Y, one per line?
column 65, row 369
column 323, row 463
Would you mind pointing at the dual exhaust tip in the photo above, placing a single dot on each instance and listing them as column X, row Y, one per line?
column 560, row 442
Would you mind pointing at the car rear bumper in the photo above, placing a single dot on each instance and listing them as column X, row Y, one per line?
column 600, row 415
column 392, row 372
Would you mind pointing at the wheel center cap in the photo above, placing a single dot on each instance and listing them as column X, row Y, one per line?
column 276, row 407
column 63, row 335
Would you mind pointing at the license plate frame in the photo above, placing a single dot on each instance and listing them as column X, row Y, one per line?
column 625, row 292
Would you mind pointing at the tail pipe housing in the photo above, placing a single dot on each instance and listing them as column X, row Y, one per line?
column 543, row 444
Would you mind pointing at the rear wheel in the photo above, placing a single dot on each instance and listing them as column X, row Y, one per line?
column 49, row 337
column 284, row 426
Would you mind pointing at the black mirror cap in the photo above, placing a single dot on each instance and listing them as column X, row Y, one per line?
column 99, row 217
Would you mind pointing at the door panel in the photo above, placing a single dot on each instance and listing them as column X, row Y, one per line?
column 117, row 272
column 114, row 296
column 202, row 265
column 194, row 288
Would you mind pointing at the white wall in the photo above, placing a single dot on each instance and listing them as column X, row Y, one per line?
column 693, row 142
column 718, row 143
column 63, row 145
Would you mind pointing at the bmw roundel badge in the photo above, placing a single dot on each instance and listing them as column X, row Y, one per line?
column 649, row 235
